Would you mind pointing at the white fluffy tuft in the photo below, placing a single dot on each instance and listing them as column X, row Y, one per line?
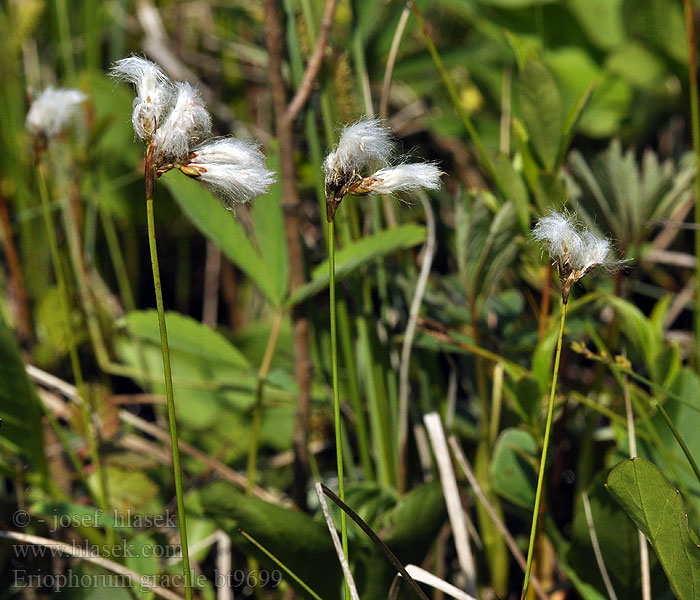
column 403, row 178
column 52, row 110
column 245, row 153
column 188, row 121
column 233, row 169
column 576, row 249
column 360, row 145
column 154, row 92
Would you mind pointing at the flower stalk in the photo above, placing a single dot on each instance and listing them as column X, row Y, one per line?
column 545, row 447
column 167, row 373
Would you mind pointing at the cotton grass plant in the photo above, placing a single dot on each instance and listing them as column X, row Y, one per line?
column 174, row 124
column 575, row 251
column 349, row 170
column 50, row 114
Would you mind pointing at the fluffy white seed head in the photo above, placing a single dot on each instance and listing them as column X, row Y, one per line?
column 187, row 122
column 224, row 150
column 401, row 178
column 52, row 110
column 360, row 145
column 233, row 169
column 575, row 249
column 153, row 93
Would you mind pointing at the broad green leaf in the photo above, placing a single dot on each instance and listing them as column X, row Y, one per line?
column 619, row 546
column 686, row 417
column 358, row 254
column 515, row 190
column 572, row 120
column 20, row 410
column 543, row 359
column 512, row 467
column 202, row 360
column 637, row 65
column 542, row 111
column 527, row 401
column 221, row 227
column 300, row 542
column 602, row 20
column 143, row 559
column 415, row 521
column 575, row 70
column 657, row 508
column 637, row 328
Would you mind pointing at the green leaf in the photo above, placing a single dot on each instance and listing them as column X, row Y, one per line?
column 542, row 111
column 20, row 407
column 358, row 254
column 657, row 508
column 512, row 467
column 572, row 120
column 619, row 546
column 300, row 542
column 201, row 359
column 221, row 227
column 527, row 401
column 602, row 20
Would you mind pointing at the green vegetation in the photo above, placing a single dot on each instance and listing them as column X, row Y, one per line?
column 308, row 339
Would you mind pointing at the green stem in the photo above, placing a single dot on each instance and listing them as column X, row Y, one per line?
column 280, row 564
column 695, row 128
column 72, row 345
column 168, row 383
column 484, row 158
column 679, row 439
column 334, row 375
column 257, row 410
column 545, row 447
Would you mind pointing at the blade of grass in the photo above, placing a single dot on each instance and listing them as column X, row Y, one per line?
column 342, row 557
column 482, row 154
column 375, row 539
column 695, row 129
column 280, row 564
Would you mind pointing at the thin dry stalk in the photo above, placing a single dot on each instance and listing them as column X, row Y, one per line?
column 78, row 552
column 428, row 578
column 643, row 548
column 500, row 525
column 391, row 61
column 314, row 65
column 452, row 499
column 428, row 254
column 336, row 543
column 596, row 547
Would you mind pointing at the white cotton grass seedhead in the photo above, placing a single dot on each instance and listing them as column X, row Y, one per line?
column 233, row 169
column 575, row 249
column 187, row 122
column 224, row 150
column 361, row 144
column 401, row 178
column 154, row 93
column 52, row 110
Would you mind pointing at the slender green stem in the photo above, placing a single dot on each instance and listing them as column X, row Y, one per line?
column 257, row 410
column 72, row 345
column 334, row 375
column 695, row 128
column 280, row 564
column 545, row 447
column 484, row 158
column 679, row 439
column 168, row 387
